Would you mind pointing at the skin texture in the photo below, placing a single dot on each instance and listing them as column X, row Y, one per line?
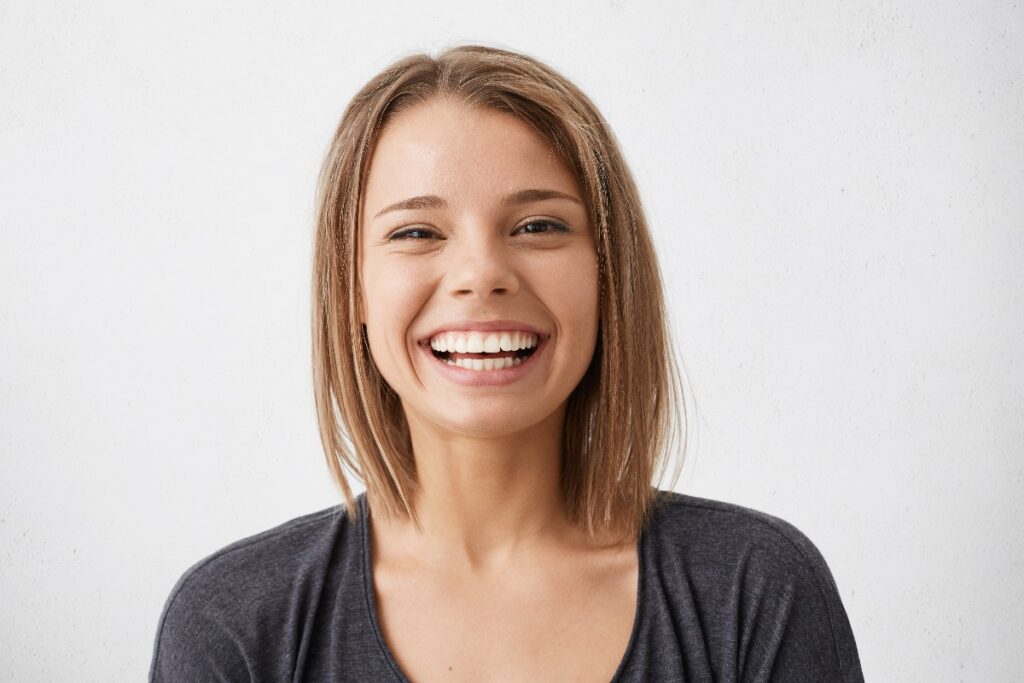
column 499, row 586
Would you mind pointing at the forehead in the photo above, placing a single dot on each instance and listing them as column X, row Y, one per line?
column 462, row 153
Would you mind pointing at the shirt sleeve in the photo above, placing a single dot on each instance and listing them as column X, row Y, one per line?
column 195, row 642
column 794, row 625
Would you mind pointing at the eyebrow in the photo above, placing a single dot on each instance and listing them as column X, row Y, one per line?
column 432, row 201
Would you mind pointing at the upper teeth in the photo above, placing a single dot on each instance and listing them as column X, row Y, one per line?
column 479, row 342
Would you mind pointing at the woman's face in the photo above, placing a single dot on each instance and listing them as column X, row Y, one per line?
column 469, row 220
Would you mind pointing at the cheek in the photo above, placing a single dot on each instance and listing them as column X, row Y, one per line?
column 393, row 297
column 570, row 290
column 387, row 291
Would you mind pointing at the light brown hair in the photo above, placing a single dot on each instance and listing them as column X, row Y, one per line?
column 624, row 417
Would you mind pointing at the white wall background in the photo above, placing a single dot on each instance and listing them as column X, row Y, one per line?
column 836, row 190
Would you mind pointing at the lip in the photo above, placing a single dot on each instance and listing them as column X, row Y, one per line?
column 483, row 326
column 477, row 378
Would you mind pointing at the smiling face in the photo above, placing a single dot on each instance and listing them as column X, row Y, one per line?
column 497, row 230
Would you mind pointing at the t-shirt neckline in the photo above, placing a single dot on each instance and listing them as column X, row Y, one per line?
column 370, row 600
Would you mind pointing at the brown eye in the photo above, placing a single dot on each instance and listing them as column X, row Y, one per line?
column 543, row 227
column 410, row 233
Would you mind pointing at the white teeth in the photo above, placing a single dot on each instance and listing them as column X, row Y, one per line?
column 479, row 342
column 486, row 363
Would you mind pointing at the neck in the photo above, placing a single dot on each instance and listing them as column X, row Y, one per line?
column 483, row 503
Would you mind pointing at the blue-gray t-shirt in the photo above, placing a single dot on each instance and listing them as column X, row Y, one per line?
column 725, row 593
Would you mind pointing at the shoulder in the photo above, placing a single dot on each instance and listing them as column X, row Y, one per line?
column 256, row 561
column 702, row 525
column 223, row 605
column 758, row 576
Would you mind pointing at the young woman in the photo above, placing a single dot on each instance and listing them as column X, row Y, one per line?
column 492, row 358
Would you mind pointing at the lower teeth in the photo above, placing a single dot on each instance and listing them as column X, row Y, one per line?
column 485, row 363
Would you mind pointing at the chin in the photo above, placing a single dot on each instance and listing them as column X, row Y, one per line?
column 483, row 423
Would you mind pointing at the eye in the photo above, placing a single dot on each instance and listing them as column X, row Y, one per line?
column 543, row 226
column 410, row 233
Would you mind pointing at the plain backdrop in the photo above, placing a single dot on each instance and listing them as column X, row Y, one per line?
column 836, row 191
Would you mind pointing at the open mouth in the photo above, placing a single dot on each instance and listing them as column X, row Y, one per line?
column 453, row 358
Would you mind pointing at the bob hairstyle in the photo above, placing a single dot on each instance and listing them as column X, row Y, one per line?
column 622, row 419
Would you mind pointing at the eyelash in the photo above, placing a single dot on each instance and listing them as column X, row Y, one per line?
column 556, row 227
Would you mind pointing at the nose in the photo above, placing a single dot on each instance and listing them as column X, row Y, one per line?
column 481, row 265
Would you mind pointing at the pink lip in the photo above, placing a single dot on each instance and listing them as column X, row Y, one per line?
column 485, row 377
column 482, row 326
